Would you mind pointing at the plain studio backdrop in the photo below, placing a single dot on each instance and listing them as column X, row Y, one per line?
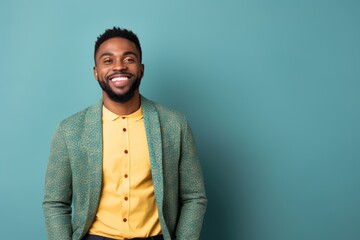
column 270, row 88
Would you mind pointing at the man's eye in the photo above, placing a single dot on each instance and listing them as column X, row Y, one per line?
column 107, row 61
column 129, row 60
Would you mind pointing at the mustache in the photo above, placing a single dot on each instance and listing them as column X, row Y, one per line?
column 122, row 73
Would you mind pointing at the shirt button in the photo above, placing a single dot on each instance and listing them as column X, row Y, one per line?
column 126, row 198
column 123, row 117
column 126, row 151
column 125, row 220
column 124, row 129
column 126, row 176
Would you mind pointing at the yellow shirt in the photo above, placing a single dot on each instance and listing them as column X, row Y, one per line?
column 127, row 207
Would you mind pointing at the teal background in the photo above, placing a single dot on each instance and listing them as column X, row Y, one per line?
column 271, row 89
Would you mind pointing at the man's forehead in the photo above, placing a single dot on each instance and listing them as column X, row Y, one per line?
column 117, row 43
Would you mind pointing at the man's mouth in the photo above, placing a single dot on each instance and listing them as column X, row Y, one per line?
column 116, row 79
column 119, row 77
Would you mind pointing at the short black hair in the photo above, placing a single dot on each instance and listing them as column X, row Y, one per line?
column 117, row 32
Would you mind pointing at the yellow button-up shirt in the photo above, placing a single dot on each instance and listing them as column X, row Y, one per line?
column 127, row 207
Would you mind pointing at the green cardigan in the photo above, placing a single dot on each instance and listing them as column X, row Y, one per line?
column 74, row 174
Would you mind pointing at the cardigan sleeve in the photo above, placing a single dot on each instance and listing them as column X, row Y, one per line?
column 193, row 199
column 58, row 190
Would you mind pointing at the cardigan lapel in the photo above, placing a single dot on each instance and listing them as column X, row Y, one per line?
column 153, row 134
column 93, row 139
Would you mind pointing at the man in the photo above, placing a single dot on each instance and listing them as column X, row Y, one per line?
column 126, row 167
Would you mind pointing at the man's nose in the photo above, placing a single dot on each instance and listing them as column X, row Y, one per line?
column 119, row 65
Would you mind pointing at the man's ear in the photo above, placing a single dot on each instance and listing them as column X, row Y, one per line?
column 142, row 70
column 95, row 73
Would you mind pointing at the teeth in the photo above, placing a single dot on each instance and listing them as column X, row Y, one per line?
column 119, row 79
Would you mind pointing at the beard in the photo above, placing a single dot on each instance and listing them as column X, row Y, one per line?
column 120, row 98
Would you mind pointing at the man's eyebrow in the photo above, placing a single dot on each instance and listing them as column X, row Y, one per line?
column 106, row 54
column 130, row 53
column 112, row 54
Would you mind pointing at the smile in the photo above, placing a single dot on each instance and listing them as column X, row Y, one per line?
column 117, row 79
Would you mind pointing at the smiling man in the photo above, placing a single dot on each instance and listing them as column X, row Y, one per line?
column 125, row 167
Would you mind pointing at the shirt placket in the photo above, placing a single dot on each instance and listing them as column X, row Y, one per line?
column 125, row 166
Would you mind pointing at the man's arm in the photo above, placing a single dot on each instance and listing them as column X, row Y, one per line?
column 192, row 191
column 58, row 190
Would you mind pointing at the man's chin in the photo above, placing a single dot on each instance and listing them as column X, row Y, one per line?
column 121, row 97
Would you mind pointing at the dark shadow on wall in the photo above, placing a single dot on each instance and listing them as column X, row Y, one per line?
column 226, row 172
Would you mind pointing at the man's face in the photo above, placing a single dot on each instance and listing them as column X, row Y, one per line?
column 118, row 69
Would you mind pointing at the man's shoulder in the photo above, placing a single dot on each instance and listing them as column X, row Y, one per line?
column 86, row 114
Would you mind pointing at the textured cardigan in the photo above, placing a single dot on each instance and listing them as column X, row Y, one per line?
column 74, row 174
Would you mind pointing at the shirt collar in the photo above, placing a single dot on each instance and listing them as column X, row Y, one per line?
column 110, row 116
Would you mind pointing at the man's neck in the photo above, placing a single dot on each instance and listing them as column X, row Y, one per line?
column 125, row 108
